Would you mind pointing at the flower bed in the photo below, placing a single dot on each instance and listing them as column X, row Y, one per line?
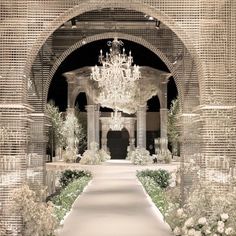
column 204, row 213
column 63, row 202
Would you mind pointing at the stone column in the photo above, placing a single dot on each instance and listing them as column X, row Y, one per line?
column 104, row 137
column 97, row 123
column 164, row 115
column 163, row 121
column 141, row 126
column 92, row 124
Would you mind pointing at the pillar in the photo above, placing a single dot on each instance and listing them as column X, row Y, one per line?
column 164, row 114
column 92, row 124
column 163, row 122
column 104, row 137
column 141, row 126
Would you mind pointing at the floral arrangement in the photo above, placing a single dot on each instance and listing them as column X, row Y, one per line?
column 90, row 157
column 37, row 216
column 94, row 156
column 163, row 157
column 204, row 226
column 130, row 149
column 140, row 156
column 104, row 156
column 204, row 213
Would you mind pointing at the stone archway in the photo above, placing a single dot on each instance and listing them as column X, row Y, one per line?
column 132, row 5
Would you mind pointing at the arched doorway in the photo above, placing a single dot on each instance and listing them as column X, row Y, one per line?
column 117, row 143
column 152, row 123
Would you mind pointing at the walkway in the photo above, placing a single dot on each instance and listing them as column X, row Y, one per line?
column 114, row 204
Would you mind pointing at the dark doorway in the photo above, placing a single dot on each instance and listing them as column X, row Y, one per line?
column 117, row 143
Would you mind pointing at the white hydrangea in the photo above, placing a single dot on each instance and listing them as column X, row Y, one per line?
column 221, row 224
column 202, row 221
column 224, row 217
column 208, row 231
column 180, row 212
column 189, row 223
column 191, row 232
column 177, row 231
column 229, row 231
column 220, row 229
column 197, row 233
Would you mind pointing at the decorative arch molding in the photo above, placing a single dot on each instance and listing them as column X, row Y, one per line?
column 135, row 5
column 97, row 37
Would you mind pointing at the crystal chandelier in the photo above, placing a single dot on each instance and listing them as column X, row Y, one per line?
column 116, row 121
column 116, row 79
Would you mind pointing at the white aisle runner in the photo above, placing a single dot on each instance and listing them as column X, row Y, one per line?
column 114, row 204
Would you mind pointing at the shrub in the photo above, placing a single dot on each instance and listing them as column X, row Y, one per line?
column 68, row 176
column 155, row 192
column 63, row 202
column 161, row 177
column 37, row 216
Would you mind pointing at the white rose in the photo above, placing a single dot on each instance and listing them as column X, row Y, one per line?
column 198, row 233
column 191, row 232
column 208, row 231
column 220, row 229
column 229, row 231
column 224, row 216
column 189, row 223
column 180, row 212
column 177, row 231
column 221, row 224
column 202, row 221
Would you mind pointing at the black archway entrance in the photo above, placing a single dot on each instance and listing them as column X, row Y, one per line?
column 117, row 143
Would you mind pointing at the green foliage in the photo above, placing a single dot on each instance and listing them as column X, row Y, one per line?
column 57, row 124
column 69, row 176
column 172, row 129
column 161, row 177
column 155, row 192
column 63, row 202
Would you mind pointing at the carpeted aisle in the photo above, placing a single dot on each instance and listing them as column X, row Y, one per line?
column 114, row 204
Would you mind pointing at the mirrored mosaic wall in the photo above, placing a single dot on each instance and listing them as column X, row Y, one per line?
column 196, row 40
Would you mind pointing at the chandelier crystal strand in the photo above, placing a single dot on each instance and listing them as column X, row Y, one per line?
column 116, row 121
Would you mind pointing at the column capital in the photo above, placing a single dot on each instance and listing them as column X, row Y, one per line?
column 142, row 108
